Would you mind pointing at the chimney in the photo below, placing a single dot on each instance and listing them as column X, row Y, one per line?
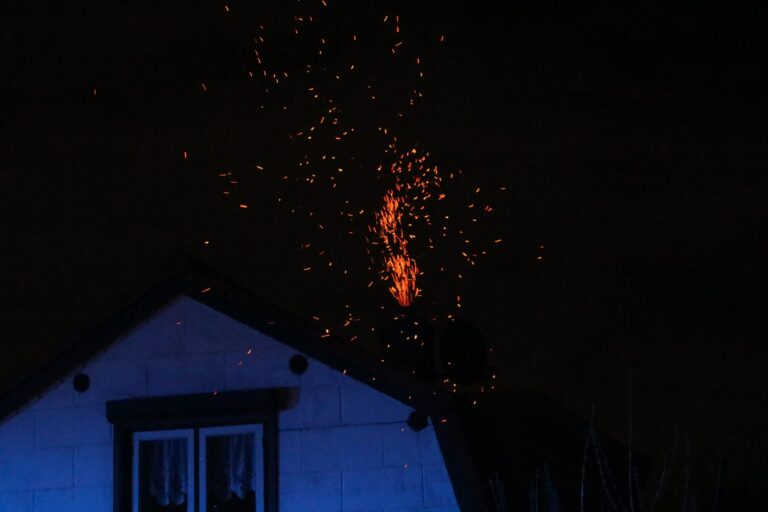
column 463, row 353
column 408, row 342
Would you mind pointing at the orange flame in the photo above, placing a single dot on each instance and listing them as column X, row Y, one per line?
column 402, row 271
column 399, row 267
column 414, row 181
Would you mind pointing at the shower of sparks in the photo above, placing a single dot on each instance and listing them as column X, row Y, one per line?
column 344, row 111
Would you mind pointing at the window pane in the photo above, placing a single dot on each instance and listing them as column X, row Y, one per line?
column 230, row 473
column 163, row 475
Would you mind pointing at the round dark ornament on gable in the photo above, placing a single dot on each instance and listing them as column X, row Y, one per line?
column 81, row 382
column 298, row 364
column 418, row 421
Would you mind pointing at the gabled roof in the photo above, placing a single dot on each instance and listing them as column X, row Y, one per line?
column 200, row 283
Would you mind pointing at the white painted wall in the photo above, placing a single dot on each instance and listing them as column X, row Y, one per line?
column 344, row 447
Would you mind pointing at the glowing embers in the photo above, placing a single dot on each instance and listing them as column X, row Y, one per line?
column 402, row 207
column 398, row 267
column 402, row 271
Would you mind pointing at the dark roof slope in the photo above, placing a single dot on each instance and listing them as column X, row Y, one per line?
column 524, row 442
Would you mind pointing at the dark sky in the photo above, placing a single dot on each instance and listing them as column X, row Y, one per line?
column 631, row 140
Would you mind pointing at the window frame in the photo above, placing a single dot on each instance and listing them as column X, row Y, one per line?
column 194, row 412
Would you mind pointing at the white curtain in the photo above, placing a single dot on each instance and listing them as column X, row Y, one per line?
column 230, row 468
column 168, row 471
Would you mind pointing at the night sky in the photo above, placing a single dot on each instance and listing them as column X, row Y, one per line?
column 622, row 149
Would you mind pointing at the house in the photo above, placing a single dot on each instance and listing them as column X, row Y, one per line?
column 199, row 396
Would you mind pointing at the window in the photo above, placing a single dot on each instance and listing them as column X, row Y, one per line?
column 231, row 469
column 163, row 473
column 225, row 465
column 198, row 453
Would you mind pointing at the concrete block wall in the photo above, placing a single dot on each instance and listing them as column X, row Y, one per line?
column 344, row 447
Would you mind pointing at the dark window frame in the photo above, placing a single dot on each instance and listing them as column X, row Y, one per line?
column 197, row 411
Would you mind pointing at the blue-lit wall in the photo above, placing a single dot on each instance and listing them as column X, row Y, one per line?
column 344, row 447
